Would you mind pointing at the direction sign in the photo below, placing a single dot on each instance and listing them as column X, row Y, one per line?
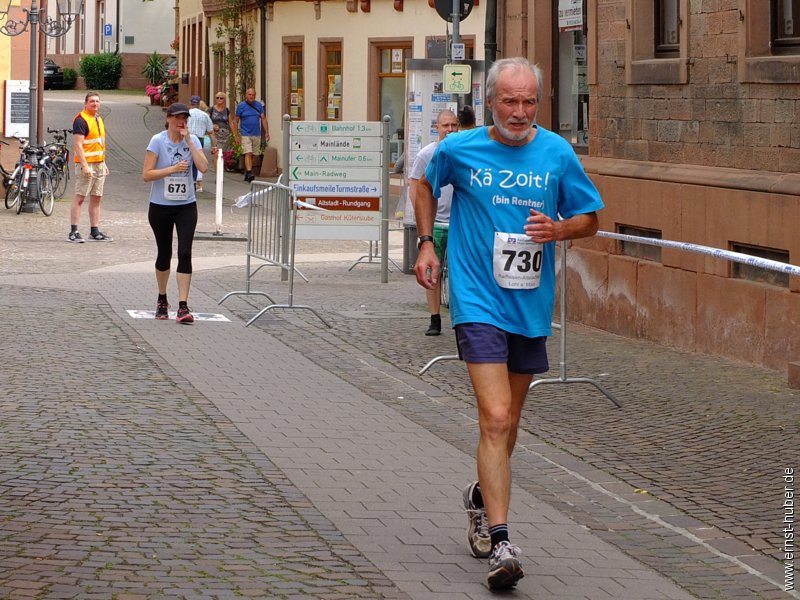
column 356, row 189
column 360, row 128
column 335, row 173
column 312, row 142
column 360, row 159
column 343, row 203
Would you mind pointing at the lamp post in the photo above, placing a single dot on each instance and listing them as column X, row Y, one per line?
column 37, row 19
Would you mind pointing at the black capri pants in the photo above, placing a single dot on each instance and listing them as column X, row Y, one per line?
column 181, row 217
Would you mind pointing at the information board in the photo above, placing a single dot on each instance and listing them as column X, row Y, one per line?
column 338, row 167
column 17, row 119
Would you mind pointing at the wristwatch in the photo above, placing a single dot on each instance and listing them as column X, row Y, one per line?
column 424, row 238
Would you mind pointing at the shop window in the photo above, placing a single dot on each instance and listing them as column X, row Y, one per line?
column 637, row 249
column 656, row 46
column 760, row 274
column 330, row 84
column 571, row 105
column 294, row 101
column 769, row 51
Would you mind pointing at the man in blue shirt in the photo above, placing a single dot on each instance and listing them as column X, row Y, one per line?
column 250, row 117
column 517, row 188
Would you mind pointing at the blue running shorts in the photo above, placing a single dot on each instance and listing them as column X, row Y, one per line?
column 483, row 343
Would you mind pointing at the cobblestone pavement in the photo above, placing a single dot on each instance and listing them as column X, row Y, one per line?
column 145, row 461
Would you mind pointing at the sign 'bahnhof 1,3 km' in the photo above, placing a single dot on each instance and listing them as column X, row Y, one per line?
column 338, row 167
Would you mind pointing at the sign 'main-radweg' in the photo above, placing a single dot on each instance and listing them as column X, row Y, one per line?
column 337, row 166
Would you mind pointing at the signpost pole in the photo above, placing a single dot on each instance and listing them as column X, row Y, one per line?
column 287, row 215
column 385, row 203
column 457, row 98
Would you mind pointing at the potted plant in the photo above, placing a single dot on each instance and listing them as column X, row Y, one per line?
column 154, row 70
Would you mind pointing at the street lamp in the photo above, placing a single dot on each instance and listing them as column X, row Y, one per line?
column 36, row 18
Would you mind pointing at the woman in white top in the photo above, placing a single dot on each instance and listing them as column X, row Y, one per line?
column 171, row 162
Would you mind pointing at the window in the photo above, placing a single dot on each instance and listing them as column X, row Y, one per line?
column 786, row 26
column 760, row 274
column 667, row 31
column 387, row 86
column 769, row 52
column 639, row 250
column 330, row 85
column 656, row 48
column 294, row 100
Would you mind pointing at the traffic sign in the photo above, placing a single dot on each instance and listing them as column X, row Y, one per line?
column 108, row 30
column 445, row 9
column 457, row 79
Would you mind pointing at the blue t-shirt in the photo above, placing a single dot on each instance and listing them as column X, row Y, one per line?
column 178, row 188
column 250, row 117
column 494, row 188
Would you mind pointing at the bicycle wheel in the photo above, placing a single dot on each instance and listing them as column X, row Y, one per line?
column 61, row 179
column 47, row 197
column 445, row 279
column 12, row 195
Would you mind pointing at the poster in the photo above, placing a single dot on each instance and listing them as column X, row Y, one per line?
column 570, row 15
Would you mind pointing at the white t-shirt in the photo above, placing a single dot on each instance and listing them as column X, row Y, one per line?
column 446, row 193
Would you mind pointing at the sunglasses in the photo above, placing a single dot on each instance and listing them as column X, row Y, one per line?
column 220, row 98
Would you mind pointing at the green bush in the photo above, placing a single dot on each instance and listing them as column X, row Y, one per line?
column 70, row 77
column 101, row 71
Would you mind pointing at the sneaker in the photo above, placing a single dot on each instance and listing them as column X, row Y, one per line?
column 184, row 316
column 198, row 187
column 435, row 328
column 162, row 310
column 75, row 237
column 479, row 541
column 504, row 568
column 100, row 237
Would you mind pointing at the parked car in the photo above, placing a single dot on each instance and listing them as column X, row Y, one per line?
column 53, row 75
column 172, row 67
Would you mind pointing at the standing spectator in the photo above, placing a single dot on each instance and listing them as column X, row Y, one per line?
column 223, row 122
column 517, row 189
column 200, row 125
column 251, row 117
column 89, row 149
column 446, row 123
column 171, row 157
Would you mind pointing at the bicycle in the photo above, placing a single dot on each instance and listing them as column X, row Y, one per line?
column 31, row 181
column 6, row 175
column 59, row 159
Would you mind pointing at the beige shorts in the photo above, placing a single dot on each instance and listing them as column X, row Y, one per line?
column 251, row 144
column 90, row 186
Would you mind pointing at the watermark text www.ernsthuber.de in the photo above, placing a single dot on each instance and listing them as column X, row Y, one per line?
column 788, row 529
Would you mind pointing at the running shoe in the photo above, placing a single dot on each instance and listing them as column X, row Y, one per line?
column 504, row 568
column 75, row 237
column 479, row 541
column 162, row 310
column 184, row 316
column 100, row 237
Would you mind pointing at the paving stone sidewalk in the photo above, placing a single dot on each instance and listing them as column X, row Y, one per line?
column 144, row 459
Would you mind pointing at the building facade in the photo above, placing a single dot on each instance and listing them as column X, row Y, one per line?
column 693, row 136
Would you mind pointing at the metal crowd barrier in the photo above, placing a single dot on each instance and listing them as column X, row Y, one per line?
column 771, row 265
column 272, row 222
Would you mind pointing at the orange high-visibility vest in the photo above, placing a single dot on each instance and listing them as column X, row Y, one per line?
column 94, row 144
